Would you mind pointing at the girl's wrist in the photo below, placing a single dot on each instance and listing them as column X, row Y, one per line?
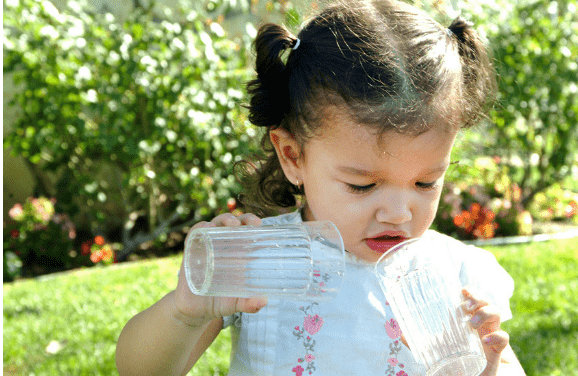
column 190, row 321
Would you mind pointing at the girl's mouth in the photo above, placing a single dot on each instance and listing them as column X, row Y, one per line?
column 384, row 243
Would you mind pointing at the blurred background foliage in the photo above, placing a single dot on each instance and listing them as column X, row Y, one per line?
column 131, row 126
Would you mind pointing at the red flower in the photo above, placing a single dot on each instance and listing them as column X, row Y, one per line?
column 85, row 247
column 15, row 233
column 231, row 204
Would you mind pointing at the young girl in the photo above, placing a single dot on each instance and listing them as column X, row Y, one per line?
column 360, row 121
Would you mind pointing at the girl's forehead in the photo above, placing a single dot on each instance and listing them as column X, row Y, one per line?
column 347, row 141
column 339, row 126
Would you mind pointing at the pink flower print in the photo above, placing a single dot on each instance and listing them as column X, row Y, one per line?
column 313, row 324
column 393, row 362
column 297, row 327
column 298, row 370
column 309, row 358
column 392, row 329
column 401, row 373
column 322, row 284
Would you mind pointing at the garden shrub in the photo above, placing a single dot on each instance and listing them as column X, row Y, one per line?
column 533, row 127
column 530, row 140
column 480, row 201
column 37, row 240
column 132, row 126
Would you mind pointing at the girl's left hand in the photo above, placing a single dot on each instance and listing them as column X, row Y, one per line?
column 486, row 320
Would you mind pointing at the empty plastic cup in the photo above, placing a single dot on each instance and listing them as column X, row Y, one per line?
column 423, row 290
column 299, row 261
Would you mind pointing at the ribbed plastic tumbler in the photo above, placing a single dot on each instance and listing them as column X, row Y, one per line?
column 299, row 261
column 424, row 292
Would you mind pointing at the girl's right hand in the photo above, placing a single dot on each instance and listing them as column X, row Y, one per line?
column 196, row 310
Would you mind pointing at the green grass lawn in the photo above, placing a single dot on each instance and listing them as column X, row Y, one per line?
column 84, row 311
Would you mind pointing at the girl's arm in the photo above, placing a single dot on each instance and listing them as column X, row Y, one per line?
column 170, row 336
column 157, row 342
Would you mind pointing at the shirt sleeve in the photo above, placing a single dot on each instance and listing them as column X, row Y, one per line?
column 481, row 270
column 234, row 319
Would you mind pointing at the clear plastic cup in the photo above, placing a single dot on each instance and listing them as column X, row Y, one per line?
column 299, row 261
column 423, row 290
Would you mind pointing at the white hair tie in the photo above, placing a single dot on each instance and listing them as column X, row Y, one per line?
column 297, row 43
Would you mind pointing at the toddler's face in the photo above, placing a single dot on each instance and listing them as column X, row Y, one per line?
column 376, row 196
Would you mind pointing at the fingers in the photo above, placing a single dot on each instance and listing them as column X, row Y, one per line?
column 496, row 341
column 251, row 305
column 473, row 300
column 229, row 220
column 250, row 219
column 227, row 306
column 494, row 344
column 485, row 317
column 486, row 320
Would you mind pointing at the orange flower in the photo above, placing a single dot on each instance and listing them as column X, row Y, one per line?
column 96, row 256
column 459, row 220
column 99, row 240
column 487, row 231
column 107, row 253
column 475, row 209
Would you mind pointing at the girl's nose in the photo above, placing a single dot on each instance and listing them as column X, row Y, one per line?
column 394, row 209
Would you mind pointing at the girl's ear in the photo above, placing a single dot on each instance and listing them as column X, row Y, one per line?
column 289, row 154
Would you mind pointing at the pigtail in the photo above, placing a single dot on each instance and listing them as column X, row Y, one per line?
column 478, row 76
column 269, row 91
column 266, row 186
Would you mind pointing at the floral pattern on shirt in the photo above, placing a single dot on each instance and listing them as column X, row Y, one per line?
column 394, row 332
column 312, row 324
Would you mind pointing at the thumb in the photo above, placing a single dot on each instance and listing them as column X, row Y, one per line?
column 250, row 305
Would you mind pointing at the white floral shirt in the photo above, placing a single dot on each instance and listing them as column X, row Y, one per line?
column 355, row 334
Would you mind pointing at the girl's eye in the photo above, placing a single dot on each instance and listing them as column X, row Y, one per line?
column 359, row 188
column 426, row 186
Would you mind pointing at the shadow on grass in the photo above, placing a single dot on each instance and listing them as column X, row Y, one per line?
column 10, row 312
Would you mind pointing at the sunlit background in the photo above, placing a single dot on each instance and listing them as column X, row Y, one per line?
column 123, row 120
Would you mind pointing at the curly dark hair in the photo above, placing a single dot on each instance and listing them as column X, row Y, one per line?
column 393, row 66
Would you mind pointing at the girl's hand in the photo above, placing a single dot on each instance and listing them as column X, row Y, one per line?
column 196, row 310
column 486, row 320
